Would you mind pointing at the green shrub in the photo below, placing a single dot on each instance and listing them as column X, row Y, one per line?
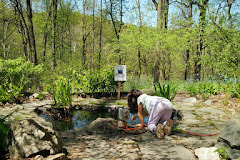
column 236, row 90
column 167, row 90
column 61, row 90
column 133, row 82
column 4, row 129
column 15, row 77
column 95, row 81
column 223, row 153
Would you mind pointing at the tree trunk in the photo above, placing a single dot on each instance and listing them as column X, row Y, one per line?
column 24, row 39
column 203, row 9
column 44, row 43
column 69, row 38
column 100, row 37
column 24, row 31
column 139, row 46
column 93, row 36
column 190, row 5
column 229, row 13
column 115, row 27
column 162, row 12
column 32, row 44
column 54, row 17
column 83, row 38
column 121, row 22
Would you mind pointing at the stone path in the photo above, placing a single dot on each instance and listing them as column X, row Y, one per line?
column 198, row 118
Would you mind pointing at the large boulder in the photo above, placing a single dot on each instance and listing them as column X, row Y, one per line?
column 103, row 126
column 31, row 137
column 230, row 138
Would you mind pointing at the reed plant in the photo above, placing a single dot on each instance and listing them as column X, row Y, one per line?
column 61, row 91
column 166, row 90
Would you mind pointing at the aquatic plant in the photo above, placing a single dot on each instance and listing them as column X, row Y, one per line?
column 167, row 90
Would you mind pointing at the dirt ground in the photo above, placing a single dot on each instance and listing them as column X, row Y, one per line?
column 221, row 101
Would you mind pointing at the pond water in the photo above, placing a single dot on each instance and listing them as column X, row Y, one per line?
column 81, row 118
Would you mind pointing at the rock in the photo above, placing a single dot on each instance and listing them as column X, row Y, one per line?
column 59, row 156
column 103, row 126
column 121, row 124
column 30, row 137
column 35, row 95
column 230, row 138
column 190, row 100
column 207, row 153
column 153, row 148
column 231, row 132
column 38, row 157
column 208, row 102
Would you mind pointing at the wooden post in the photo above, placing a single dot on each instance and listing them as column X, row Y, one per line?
column 119, row 87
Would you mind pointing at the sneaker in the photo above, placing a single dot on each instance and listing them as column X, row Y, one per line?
column 159, row 131
column 168, row 128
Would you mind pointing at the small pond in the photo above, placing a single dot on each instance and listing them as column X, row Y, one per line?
column 81, row 118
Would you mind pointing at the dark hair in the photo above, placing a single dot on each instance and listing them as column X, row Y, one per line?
column 132, row 100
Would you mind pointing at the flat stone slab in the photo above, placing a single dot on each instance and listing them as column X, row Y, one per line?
column 153, row 148
column 210, row 110
column 190, row 100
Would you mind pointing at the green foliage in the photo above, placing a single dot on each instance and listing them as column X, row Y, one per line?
column 4, row 129
column 133, row 82
column 231, row 88
column 61, row 90
column 15, row 77
column 167, row 90
column 95, row 81
column 223, row 153
column 236, row 90
column 207, row 88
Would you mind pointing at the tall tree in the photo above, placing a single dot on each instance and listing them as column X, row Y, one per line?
column 139, row 46
column 162, row 18
column 117, row 29
column 100, row 36
column 32, row 44
column 230, row 2
column 45, row 29
column 54, row 23
column 93, row 35
column 202, row 23
column 26, row 28
column 83, row 37
column 186, row 7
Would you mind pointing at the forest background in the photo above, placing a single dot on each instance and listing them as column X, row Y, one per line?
column 50, row 43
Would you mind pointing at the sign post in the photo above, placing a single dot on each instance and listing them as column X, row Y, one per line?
column 120, row 74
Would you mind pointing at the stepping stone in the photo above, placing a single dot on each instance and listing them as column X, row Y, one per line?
column 153, row 148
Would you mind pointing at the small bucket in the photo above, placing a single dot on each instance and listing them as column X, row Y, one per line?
column 123, row 114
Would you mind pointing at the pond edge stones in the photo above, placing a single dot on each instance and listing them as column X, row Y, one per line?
column 230, row 138
column 103, row 126
column 30, row 137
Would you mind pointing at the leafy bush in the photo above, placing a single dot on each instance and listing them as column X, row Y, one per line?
column 223, row 153
column 61, row 90
column 95, row 81
column 207, row 88
column 15, row 76
column 133, row 82
column 236, row 90
column 4, row 129
column 167, row 90
column 231, row 88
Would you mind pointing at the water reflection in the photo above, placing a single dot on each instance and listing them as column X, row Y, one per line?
column 81, row 118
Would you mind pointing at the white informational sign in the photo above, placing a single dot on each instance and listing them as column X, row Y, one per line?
column 120, row 73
